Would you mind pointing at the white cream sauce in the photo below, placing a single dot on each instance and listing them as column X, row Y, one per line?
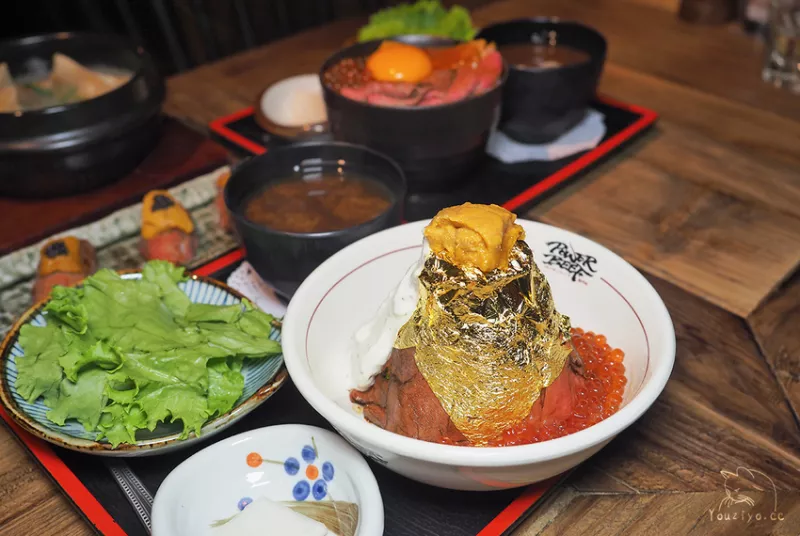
column 374, row 340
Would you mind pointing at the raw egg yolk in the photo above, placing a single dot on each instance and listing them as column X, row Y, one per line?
column 398, row 62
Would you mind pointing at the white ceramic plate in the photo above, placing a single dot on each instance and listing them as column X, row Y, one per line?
column 302, row 466
column 596, row 288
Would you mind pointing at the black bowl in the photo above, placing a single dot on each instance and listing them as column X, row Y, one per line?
column 285, row 259
column 539, row 105
column 437, row 146
column 72, row 148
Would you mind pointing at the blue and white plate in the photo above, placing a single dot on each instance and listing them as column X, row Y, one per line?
column 262, row 378
column 310, row 470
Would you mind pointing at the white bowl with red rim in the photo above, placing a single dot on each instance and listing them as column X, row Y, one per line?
column 596, row 288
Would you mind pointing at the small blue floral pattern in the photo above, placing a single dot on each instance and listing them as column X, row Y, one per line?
column 314, row 482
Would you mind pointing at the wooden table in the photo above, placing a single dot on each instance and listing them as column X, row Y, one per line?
column 707, row 206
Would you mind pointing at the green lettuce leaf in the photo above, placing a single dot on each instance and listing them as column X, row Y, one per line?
column 427, row 17
column 204, row 312
column 38, row 370
column 118, row 424
column 175, row 402
column 65, row 304
column 78, row 356
column 237, row 342
column 121, row 389
column 256, row 323
column 225, row 386
column 172, row 367
column 166, row 276
column 83, row 400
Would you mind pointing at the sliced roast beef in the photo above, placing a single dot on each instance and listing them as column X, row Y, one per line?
column 401, row 401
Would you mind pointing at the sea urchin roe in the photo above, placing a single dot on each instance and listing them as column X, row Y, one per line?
column 474, row 235
column 598, row 398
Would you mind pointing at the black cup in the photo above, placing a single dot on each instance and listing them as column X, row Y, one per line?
column 72, row 148
column 437, row 146
column 541, row 104
column 285, row 259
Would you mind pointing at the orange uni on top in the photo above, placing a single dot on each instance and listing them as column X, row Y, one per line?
column 161, row 212
column 474, row 235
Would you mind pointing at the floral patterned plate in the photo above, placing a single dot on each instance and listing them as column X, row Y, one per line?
column 311, row 470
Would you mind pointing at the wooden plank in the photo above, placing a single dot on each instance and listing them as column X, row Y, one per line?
column 745, row 128
column 698, row 159
column 775, row 326
column 670, row 515
column 29, row 499
column 730, row 251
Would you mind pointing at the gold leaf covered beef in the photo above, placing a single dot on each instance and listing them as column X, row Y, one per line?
column 487, row 341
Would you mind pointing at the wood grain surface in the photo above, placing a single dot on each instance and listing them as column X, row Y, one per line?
column 707, row 206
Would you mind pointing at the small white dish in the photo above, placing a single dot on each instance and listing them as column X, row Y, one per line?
column 304, row 467
column 599, row 290
column 293, row 108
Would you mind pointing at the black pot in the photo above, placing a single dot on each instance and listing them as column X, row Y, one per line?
column 539, row 105
column 437, row 146
column 285, row 259
column 76, row 147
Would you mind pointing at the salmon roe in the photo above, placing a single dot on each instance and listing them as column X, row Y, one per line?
column 598, row 396
column 349, row 72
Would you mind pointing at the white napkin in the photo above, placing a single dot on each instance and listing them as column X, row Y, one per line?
column 248, row 282
column 584, row 136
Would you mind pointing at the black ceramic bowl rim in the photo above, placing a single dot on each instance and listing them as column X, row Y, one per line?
column 140, row 52
column 547, row 20
column 408, row 109
column 241, row 218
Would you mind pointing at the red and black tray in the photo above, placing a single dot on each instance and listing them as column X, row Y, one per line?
column 410, row 508
column 514, row 186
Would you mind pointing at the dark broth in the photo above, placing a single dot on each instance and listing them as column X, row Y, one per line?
column 542, row 56
column 329, row 202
